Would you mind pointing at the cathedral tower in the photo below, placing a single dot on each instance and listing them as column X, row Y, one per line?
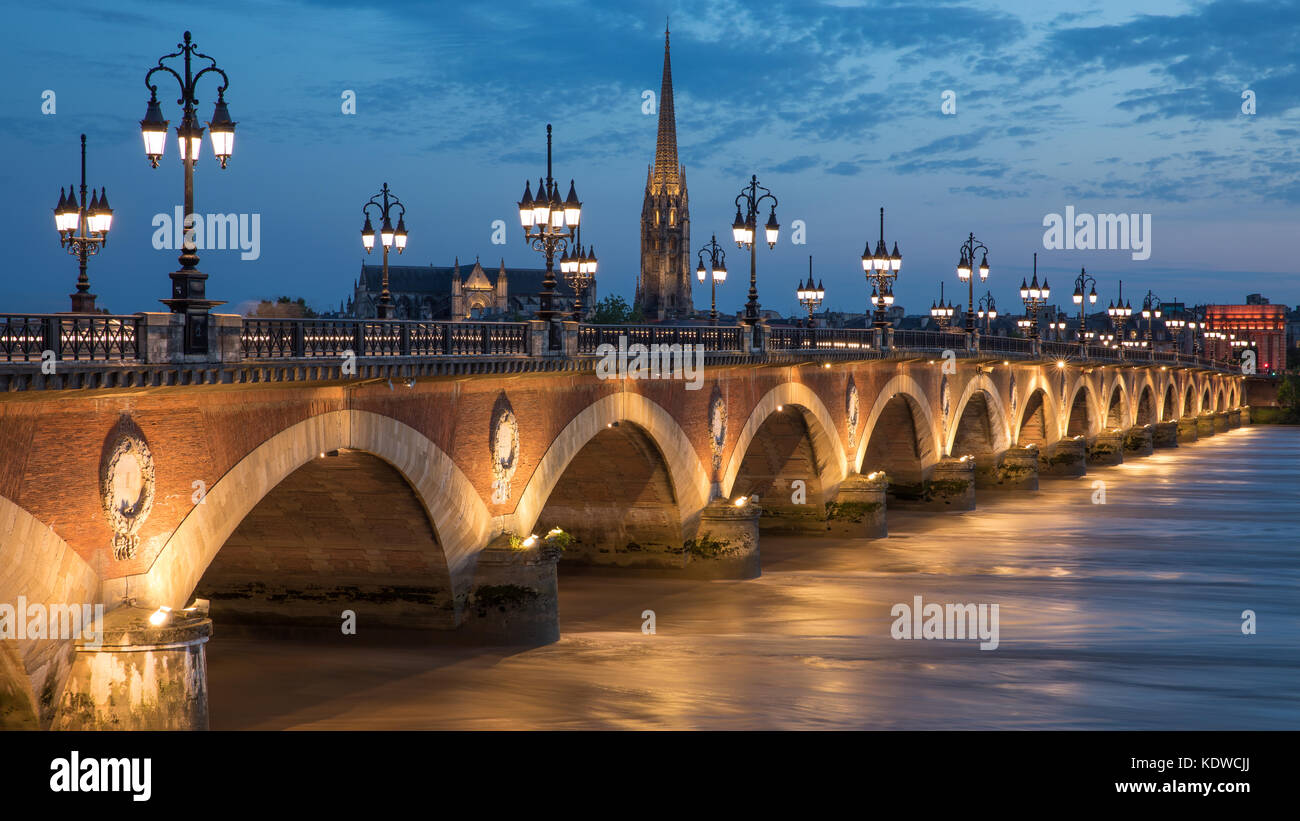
column 663, row 289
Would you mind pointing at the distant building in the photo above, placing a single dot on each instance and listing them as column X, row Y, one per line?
column 449, row 293
column 1264, row 325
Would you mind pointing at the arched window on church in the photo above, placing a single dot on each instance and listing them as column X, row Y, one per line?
column 672, row 217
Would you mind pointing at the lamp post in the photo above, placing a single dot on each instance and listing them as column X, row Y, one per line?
column 1084, row 280
column 748, row 201
column 1034, row 297
column 1059, row 326
column 715, row 271
column 579, row 269
column 1176, row 323
column 941, row 313
column 988, row 311
column 811, row 296
column 1119, row 313
column 965, row 264
column 83, row 230
column 881, row 269
column 189, row 285
column 383, row 202
column 1151, row 310
column 549, row 224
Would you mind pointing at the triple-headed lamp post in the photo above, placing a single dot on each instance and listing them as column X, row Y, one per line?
column 743, row 229
column 941, row 313
column 810, row 296
column 965, row 268
column 1035, row 297
column 715, row 271
column 83, row 230
column 189, row 284
column 881, row 269
column 549, row 223
column 1151, row 309
column 389, row 237
column 1084, row 280
column 988, row 311
column 579, row 269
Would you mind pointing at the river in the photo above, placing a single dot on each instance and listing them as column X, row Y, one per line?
column 1123, row 615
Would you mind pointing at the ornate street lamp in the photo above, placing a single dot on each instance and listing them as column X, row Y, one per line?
column 941, row 313
column 1151, row 310
column 1119, row 312
column 1084, row 280
column 743, row 229
column 988, row 311
column 389, row 237
column 881, row 269
column 811, row 296
column 579, row 270
column 1035, row 297
column 83, row 229
column 715, row 271
column 189, row 285
column 549, row 224
column 965, row 268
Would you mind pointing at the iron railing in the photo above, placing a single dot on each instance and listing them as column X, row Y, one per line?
column 1007, row 344
column 930, row 340
column 821, row 339
column 78, row 337
column 714, row 338
column 309, row 338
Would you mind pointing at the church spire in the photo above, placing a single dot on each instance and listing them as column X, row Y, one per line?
column 666, row 169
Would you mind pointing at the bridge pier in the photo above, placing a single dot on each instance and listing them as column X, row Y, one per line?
column 726, row 546
column 1205, row 425
column 1165, row 435
column 1187, row 429
column 1221, row 422
column 1107, row 449
column 858, row 511
column 515, row 597
column 1139, row 441
column 1014, row 469
column 1065, row 458
column 1234, row 418
column 951, row 486
column 138, row 676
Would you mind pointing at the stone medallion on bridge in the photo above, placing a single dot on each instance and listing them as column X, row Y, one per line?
column 126, row 487
column 851, row 410
column 717, row 427
column 505, row 450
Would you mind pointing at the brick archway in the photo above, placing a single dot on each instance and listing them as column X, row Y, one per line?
column 997, row 418
column 821, row 431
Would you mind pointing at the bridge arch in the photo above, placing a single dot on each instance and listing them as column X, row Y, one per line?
column 1219, row 400
column 1117, row 406
column 688, row 477
column 1169, row 407
column 1145, row 414
column 1040, row 419
column 1207, row 403
column 1189, row 400
column 831, row 460
column 456, row 511
column 1082, row 417
column 900, row 402
column 980, row 422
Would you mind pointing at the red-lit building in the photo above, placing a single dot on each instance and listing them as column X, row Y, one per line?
column 1264, row 325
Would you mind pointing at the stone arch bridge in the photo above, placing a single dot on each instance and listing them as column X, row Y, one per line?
column 397, row 470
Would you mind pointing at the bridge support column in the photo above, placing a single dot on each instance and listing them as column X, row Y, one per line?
column 1107, row 448
column 1205, row 425
column 1243, row 414
column 951, row 486
column 1017, row 469
column 1139, row 441
column 1065, row 458
column 1221, row 422
column 1164, row 435
column 138, row 676
column 1187, row 429
column 858, row 511
column 515, row 598
column 726, row 546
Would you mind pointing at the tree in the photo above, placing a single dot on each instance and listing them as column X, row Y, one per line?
column 283, row 308
column 613, row 310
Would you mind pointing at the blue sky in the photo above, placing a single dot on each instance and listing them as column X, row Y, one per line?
column 1107, row 107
